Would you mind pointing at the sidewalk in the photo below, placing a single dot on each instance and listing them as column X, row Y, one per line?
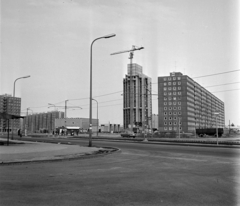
column 25, row 151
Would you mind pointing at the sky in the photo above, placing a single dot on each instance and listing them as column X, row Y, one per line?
column 50, row 41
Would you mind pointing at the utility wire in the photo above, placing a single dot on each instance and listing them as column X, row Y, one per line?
column 226, row 90
column 216, row 74
column 222, row 84
column 213, row 74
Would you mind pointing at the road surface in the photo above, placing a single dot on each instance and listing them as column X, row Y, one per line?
column 141, row 174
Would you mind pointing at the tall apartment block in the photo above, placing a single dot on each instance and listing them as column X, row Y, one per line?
column 10, row 105
column 137, row 98
column 184, row 105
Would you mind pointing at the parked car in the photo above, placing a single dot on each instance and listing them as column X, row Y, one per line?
column 128, row 134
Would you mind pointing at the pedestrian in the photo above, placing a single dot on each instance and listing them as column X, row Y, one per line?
column 19, row 133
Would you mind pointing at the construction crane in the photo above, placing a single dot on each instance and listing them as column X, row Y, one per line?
column 134, row 48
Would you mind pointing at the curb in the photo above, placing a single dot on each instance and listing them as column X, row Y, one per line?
column 200, row 143
column 99, row 153
column 64, row 157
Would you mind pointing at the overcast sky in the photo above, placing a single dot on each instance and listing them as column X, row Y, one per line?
column 50, row 40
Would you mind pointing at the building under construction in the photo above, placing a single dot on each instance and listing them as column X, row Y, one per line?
column 137, row 101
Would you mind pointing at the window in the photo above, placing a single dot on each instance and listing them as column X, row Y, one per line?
column 174, row 78
column 165, row 128
column 169, row 93
column 179, row 93
column 170, row 128
column 170, row 113
column 179, row 103
column 165, row 108
column 179, row 78
column 169, row 88
column 169, row 98
column 165, row 84
column 165, row 98
column 165, row 103
column 174, row 93
column 174, row 103
column 170, row 108
column 165, row 93
column 174, row 83
column 165, row 123
column 175, row 118
column 179, row 113
column 179, row 83
column 165, row 88
column 169, row 83
column 170, row 123
column 174, row 88
column 174, row 108
column 175, row 123
column 169, row 78
column 164, row 79
column 179, row 98
column 170, row 103
column 170, row 118
column 174, row 98
column 174, row 113
column 165, row 118
column 165, row 113
column 179, row 108
column 179, row 88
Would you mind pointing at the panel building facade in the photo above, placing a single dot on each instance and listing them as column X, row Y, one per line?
column 10, row 105
column 41, row 122
column 138, row 97
column 184, row 105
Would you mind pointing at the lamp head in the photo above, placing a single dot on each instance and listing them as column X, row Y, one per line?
column 109, row 36
column 26, row 76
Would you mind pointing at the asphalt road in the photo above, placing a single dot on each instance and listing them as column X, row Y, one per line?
column 141, row 174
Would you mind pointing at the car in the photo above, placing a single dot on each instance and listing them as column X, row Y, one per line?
column 128, row 134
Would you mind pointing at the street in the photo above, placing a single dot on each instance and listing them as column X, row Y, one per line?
column 140, row 174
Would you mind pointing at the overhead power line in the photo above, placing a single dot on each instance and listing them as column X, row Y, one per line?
column 222, row 84
column 212, row 74
column 216, row 74
column 226, row 90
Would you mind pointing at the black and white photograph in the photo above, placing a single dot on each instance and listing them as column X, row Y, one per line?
column 120, row 102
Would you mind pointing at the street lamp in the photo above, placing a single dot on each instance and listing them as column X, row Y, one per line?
column 14, row 94
column 216, row 114
column 26, row 125
column 15, row 82
column 52, row 105
column 97, row 114
column 90, row 98
column 66, row 108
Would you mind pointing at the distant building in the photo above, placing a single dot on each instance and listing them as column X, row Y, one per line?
column 155, row 121
column 81, row 124
column 185, row 105
column 138, row 99
column 10, row 105
column 111, row 128
column 41, row 122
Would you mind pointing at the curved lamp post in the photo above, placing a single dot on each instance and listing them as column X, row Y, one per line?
column 216, row 113
column 97, row 114
column 26, row 123
column 14, row 94
column 90, row 98
column 15, row 82
column 52, row 105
